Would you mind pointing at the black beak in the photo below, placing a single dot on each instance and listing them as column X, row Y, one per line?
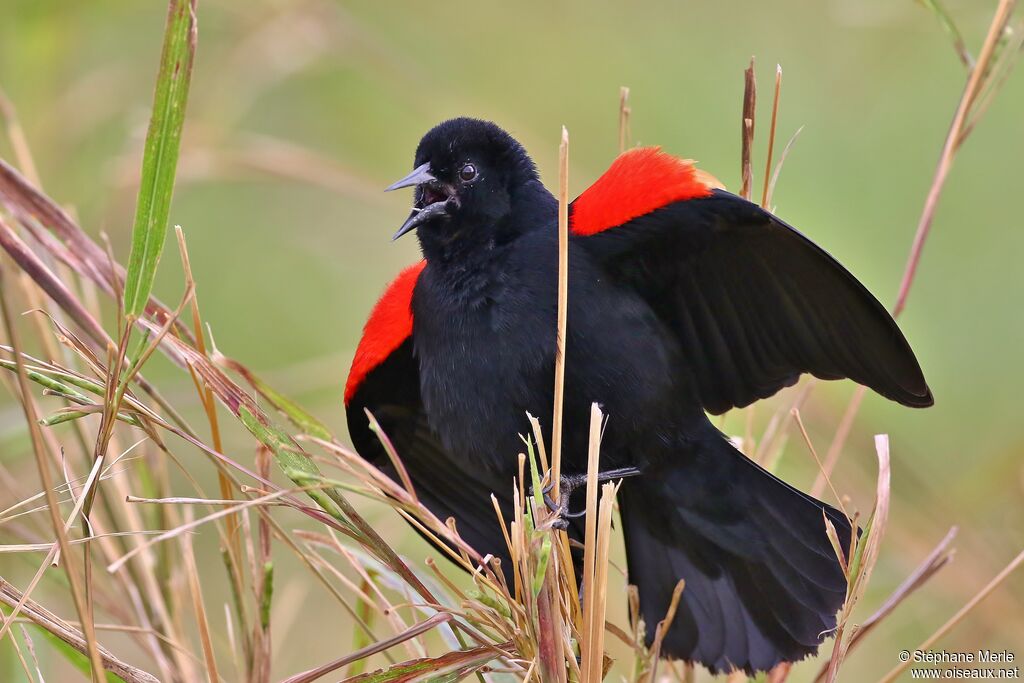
column 419, row 176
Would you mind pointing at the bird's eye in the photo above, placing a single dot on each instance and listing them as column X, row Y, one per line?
column 467, row 173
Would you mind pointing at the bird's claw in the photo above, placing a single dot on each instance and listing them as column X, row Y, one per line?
column 570, row 482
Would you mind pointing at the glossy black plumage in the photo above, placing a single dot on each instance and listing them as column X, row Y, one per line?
column 703, row 304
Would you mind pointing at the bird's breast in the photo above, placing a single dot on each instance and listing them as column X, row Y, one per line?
column 479, row 369
column 487, row 361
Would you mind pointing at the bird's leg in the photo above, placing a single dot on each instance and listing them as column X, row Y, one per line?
column 568, row 483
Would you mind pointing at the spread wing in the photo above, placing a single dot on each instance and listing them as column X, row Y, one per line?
column 753, row 301
column 384, row 379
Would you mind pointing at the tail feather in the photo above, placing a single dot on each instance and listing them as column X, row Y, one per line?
column 763, row 584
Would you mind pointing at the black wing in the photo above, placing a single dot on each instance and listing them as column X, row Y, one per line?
column 755, row 303
column 391, row 392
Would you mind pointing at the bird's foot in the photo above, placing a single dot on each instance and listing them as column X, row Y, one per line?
column 568, row 483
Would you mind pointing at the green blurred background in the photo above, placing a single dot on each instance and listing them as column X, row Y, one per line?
column 302, row 111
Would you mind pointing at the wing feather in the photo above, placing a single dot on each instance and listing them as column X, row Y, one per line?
column 754, row 302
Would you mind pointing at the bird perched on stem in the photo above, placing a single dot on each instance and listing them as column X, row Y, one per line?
column 683, row 300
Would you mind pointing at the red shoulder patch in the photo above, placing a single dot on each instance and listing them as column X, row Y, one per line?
column 638, row 182
column 389, row 325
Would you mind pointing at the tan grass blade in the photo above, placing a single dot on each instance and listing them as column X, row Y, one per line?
column 71, row 635
column 835, row 448
column 624, row 113
column 599, row 585
column 749, row 108
column 954, row 139
column 188, row 526
column 795, row 412
column 959, row 616
column 660, row 631
column 32, row 653
column 778, row 168
column 771, row 136
column 863, row 555
column 563, row 309
column 938, row 558
column 78, row 592
column 206, row 396
column 196, row 592
column 590, row 655
column 411, row 632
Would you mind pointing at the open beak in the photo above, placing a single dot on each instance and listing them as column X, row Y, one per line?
column 426, row 208
column 419, row 175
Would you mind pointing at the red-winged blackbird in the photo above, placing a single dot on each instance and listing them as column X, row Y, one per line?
column 682, row 299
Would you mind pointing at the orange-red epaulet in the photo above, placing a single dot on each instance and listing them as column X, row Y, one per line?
column 638, row 182
column 389, row 325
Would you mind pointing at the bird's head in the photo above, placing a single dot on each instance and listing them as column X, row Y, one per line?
column 466, row 174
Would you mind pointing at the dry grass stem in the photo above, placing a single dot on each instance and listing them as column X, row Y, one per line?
column 624, row 112
column 71, row 635
column 78, row 593
column 795, row 412
column 938, row 558
column 749, row 108
column 196, row 592
column 591, row 650
column 980, row 78
column 563, row 310
column 996, row 581
column 411, row 632
column 954, row 139
column 864, row 552
column 835, row 448
column 771, row 137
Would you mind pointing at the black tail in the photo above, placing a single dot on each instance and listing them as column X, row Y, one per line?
column 763, row 584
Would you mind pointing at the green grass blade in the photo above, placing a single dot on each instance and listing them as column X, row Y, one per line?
column 292, row 410
column 296, row 465
column 448, row 668
column 160, row 158
column 948, row 25
column 543, row 560
column 268, row 594
column 45, row 381
column 75, row 658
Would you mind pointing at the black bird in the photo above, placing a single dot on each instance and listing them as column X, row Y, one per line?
column 683, row 300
